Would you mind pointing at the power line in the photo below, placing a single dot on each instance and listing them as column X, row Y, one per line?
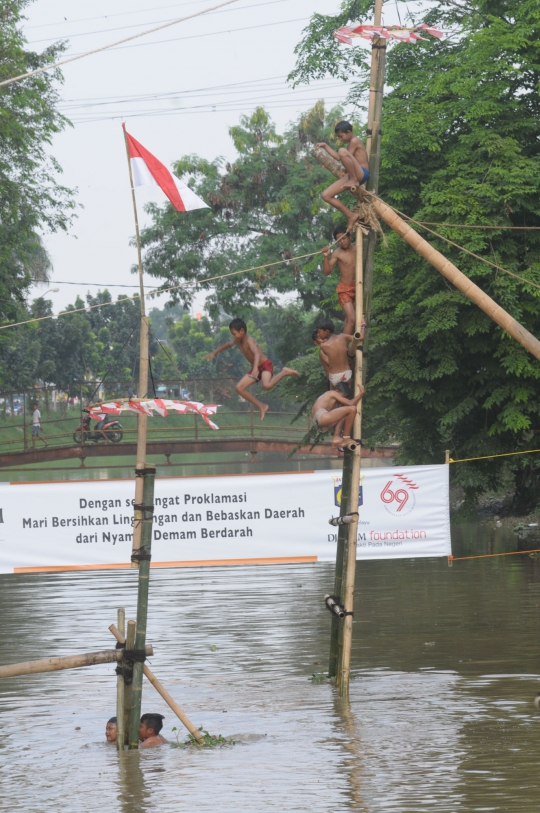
column 153, row 22
column 60, row 62
column 117, row 14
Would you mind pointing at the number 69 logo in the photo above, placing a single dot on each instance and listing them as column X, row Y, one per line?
column 398, row 498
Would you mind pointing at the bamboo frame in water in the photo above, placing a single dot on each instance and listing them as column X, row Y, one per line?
column 120, row 687
column 65, row 662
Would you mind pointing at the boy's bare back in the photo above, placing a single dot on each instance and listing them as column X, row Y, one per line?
column 335, row 349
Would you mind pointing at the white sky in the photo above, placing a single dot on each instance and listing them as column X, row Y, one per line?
column 186, row 60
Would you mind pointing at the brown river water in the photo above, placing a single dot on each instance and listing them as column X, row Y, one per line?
column 446, row 664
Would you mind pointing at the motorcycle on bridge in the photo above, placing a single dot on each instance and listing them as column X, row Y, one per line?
column 108, row 430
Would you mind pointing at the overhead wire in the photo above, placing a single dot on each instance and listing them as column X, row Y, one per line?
column 161, row 290
column 152, row 22
column 111, row 45
column 116, row 14
column 456, row 245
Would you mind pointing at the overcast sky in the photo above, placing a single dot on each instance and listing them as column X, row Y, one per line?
column 213, row 72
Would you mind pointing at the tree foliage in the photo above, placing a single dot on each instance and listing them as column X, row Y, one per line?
column 265, row 206
column 460, row 145
column 30, row 197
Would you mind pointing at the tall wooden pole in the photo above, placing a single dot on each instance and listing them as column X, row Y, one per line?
column 147, row 475
column 376, row 87
column 142, row 420
column 373, row 146
column 344, row 667
column 130, row 644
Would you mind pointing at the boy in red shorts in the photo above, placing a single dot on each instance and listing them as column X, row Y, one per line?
column 345, row 257
column 261, row 367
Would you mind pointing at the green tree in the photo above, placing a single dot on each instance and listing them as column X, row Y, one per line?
column 460, row 145
column 265, row 205
column 30, row 197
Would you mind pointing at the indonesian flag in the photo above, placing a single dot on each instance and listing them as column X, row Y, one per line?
column 147, row 170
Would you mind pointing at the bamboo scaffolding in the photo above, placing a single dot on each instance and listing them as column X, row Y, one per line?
column 444, row 266
column 64, row 662
column 130, row 644
column 352, row 536
column 158, row 686
column 147, row 509
column 120, row 687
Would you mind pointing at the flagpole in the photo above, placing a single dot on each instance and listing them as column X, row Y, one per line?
column 142, row 420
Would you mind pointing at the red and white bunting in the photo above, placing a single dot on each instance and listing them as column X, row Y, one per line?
column 160, row 405
column 390, row 32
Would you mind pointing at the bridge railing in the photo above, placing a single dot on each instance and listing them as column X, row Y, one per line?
column 16, row 435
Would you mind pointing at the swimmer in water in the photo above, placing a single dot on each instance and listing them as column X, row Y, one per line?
column 110, row 730
column 151, row 725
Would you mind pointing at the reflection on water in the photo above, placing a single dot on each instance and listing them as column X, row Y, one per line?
column 440, row 714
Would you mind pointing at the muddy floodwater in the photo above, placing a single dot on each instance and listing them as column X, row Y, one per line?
column 446, row 663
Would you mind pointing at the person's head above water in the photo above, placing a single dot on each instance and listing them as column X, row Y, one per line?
column 110, row 730
column 343, row 239
column 343, row 130
column 237, row 326
column 325, row 328
column 151, row 725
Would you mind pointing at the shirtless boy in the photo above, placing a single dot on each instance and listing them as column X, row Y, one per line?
column 355, row 160
column 345, row 257
column 337, row 361
column 327, row 412
column 151, row 725
column 261, row 367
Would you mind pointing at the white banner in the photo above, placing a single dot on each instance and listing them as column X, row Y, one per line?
column 404, row 512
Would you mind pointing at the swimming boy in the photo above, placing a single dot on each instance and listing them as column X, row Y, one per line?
column 355, row 161
column 335, row 349
column 261, row 367
column 345, row 257
column 110, row 730
column 151, row 725
column 332, row 409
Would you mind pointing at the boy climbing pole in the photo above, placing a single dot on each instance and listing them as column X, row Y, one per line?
column 332, row 409
column 337, row 362
column 261, row 368
column 355, row 161
column 345, row 257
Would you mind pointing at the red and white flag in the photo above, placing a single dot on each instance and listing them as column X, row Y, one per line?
column 147, row 169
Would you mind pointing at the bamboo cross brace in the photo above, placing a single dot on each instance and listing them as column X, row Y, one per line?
column 65, row 662
column 184, row 719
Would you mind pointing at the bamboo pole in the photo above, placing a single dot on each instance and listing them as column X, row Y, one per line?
column 120, row 686
column 148, row 475
column 457, row 278
column 373, row 84
column 337, row 626
column 64, row 662
column 158, row 686
column 444, row 266
column 130, row 644
column 344, row 666
column 142, row 420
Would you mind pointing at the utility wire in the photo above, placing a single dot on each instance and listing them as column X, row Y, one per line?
column 54, row 65
column 162, row 290
column 140, row 25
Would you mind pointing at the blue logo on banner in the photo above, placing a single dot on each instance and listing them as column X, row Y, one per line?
column 337, row 496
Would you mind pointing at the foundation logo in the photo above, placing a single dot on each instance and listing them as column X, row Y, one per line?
column 337, row 491
column 398, row 495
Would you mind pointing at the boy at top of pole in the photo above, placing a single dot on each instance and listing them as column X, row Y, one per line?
column 337, row 361
column 332, row 409
column 345, row 258
column 261, row 368
column 355, row 161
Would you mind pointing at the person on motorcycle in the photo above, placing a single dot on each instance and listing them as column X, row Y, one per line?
column 100, row 426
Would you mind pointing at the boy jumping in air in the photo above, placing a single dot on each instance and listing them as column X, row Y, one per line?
column 261, row 367
column 355, row 161
column 345, row 257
